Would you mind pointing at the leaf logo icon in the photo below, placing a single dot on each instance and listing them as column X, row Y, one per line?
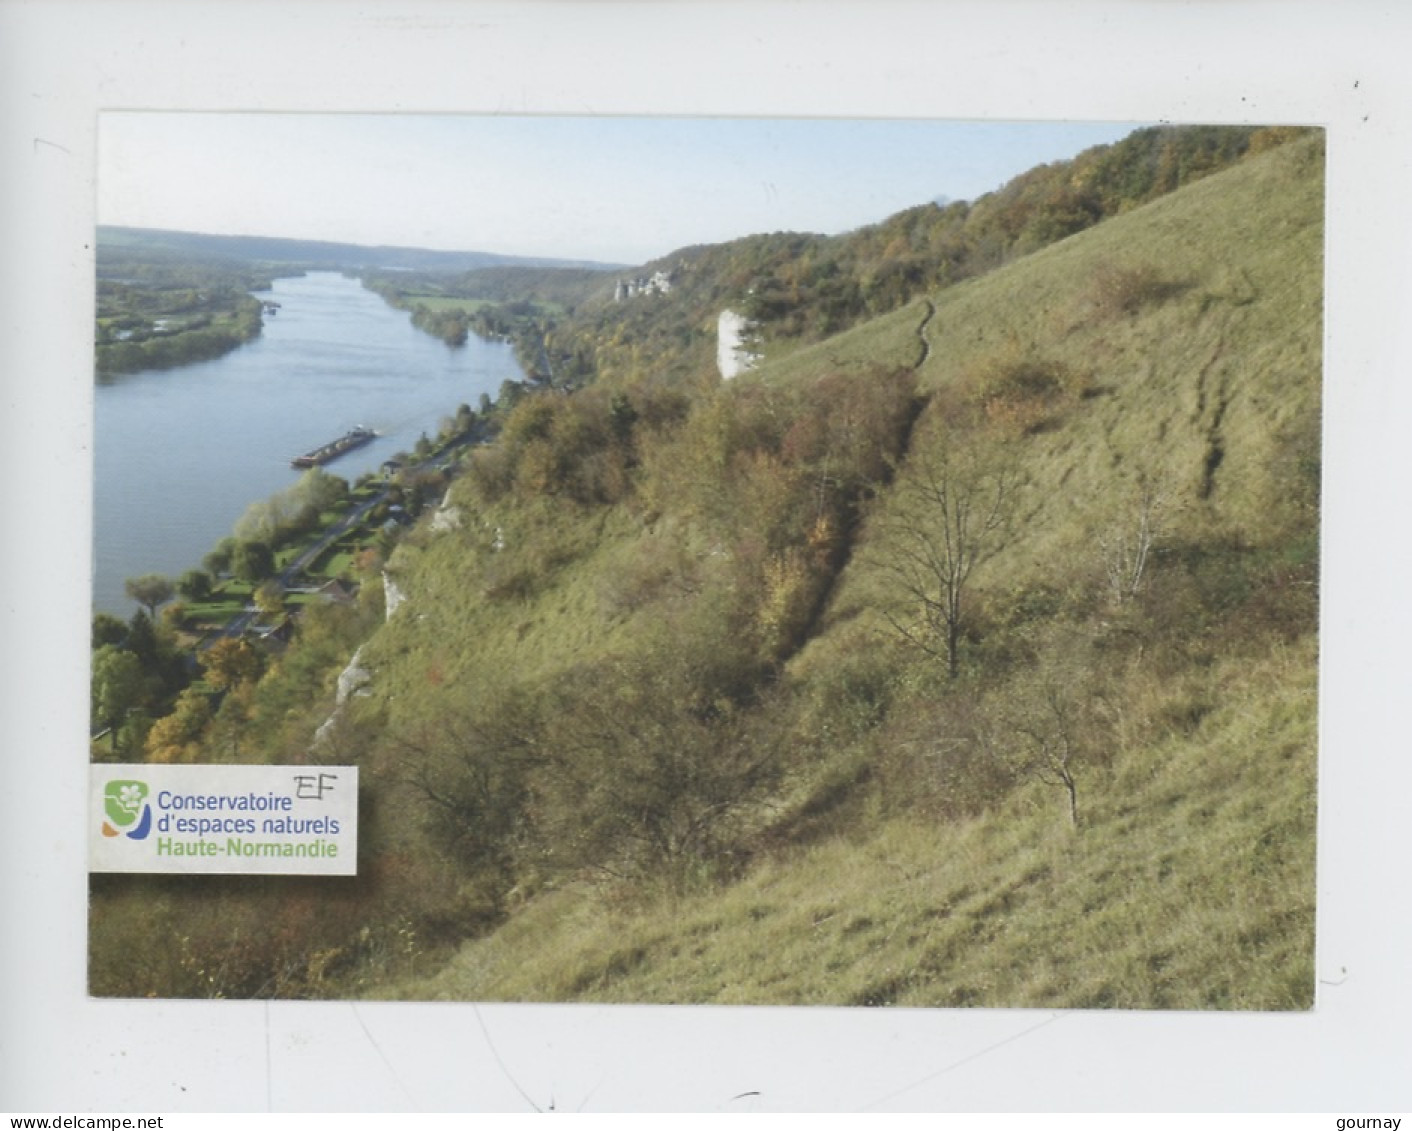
column 125, row 803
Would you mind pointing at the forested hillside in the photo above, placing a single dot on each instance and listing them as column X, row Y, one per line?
column 964, row 653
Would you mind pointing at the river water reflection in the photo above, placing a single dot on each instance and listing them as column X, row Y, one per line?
column 180, row 453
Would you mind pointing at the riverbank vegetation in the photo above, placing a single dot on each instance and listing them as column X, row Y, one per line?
column 518, row 305
column 298, row 549
column 160, row 305
column 963, row 653
column 158, row 316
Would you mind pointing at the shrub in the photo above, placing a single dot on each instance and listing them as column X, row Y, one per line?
column 944, row 761
column 792, row 588
column 1020, row 392
column 1122, row 290
column 654, row 777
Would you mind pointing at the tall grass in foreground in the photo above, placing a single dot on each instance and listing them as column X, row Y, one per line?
column 1191, row 887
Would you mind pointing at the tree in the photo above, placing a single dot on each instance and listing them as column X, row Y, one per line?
column 269, row 598
column 294, row 509
column 260, row 523
column 319, row 489
column 107, row 629
column 194, row 585
column 142, row 640
column 253, row 561
column 174, row 738
column 1126, row 546
column 953, row 511
column 149, row 591
column 453, row 427
column 509, row 395
column 1051, row 724
column 218, row 561
column 118, row 685
column 654, row 772
column 473, row 765
column 228, row 663
column 174, row 616
column 156, row 652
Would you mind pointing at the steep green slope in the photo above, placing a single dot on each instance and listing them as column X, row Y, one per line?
column 1191, row 887
column 1203, row 383
column 1152, row 384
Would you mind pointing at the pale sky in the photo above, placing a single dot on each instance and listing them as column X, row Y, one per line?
column 621, row 190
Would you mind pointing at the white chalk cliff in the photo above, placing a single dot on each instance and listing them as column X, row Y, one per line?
column 732, row 356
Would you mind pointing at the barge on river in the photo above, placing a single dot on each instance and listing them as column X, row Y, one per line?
column 334, row 448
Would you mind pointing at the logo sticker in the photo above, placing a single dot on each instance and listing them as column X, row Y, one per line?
column 223, row 819
column 125, row 803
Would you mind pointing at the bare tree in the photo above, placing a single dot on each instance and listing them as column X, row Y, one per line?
column 1126, row 545
column 953, row 510
column 1048, row 744
column 1053, row 722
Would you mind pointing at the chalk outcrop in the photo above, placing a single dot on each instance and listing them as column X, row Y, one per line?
column 733, row 356
column 352, row 680
column 393, row 596
column 658, row 283
column 446, row 518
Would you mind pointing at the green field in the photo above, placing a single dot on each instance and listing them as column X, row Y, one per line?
column 446, row 302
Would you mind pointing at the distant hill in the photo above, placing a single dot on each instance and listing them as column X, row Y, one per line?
column 310, row 253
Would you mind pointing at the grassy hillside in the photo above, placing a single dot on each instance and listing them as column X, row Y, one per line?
column 1191, row 887
column 967, row 657
column 1174, row 350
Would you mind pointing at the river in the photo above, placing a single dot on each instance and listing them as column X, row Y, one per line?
column 180, row 453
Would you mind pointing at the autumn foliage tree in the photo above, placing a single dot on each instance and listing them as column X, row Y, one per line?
column 269, row 598
column 229, row 662
column 176, row 737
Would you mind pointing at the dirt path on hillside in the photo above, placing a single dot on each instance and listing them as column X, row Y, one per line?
column 922, row 334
